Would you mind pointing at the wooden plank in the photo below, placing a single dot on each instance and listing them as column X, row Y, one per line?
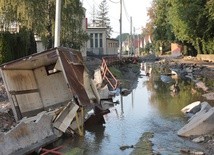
column 66, row 116
column 19, row 92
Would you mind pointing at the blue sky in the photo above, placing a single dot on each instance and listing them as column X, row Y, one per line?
column 137, row 9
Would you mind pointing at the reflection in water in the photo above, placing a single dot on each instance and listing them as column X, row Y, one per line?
column 121, row 103
column 149, row 107
column 169, row 98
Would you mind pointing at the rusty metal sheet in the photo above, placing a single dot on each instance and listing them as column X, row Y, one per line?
column 74, row 72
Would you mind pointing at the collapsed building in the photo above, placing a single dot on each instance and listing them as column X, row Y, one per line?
column 50, row 93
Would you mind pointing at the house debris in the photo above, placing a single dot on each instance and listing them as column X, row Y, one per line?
column 201, row 121
column 51, row 93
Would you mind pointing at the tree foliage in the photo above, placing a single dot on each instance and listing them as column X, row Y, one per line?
column 103, row 19
column 39, row 15
column 72, row 31
column 17, row 45
column 190, row 23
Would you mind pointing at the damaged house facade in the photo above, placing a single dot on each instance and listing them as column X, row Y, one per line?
column 55, row 81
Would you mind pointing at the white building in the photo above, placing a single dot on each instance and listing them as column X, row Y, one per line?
column 99, row 44
column 112, row 46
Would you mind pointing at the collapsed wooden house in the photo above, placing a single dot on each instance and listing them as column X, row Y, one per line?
column 48, row 91
column 47, row 80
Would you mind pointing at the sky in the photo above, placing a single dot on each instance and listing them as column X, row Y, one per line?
column 137, row 9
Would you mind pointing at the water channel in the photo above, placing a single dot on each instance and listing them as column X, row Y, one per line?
column 152, row 107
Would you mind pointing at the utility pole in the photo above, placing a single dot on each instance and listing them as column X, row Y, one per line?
column 120, row 39
column 134, row 42
column 57, row 24
column 138, row 44
column 131, row 37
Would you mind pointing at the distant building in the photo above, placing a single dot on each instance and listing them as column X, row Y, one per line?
column 146, row 40
column 125, row 45
column 112, row 46
column 11, row 27
column 39, row 45
column 99, row 44
column 97, row 41
column 176, row 49
column 14, row 27
column 132, row 45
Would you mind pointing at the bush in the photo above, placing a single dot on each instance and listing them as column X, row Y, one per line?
column 17, row 45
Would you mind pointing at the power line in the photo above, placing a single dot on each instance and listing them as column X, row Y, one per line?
column 89, row 4
column 114, row 2
column 126, row 12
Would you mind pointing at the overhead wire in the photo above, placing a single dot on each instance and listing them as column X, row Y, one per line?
column 114, row 2
column 126, row 12
column 89, row 4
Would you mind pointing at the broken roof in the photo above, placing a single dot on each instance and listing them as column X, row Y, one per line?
column 71, row 64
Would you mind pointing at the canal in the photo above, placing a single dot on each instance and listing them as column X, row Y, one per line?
column 150, row 107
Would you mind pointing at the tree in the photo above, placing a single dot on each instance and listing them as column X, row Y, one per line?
column 16, row 45
column 103, row 19
column 73, row 34
column 158, row 27
column 39, row 15
column 190, row 23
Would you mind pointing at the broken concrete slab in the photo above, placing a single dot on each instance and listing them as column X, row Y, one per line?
column 209, row 96
column 201, row 123
column 204, row 108
column 25, row 135
column 192, row 108
column 98, row 77
column 199, row 139
column 201, row 85
column 104, row 92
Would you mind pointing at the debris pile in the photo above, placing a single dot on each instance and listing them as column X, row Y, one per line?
column 50, row 93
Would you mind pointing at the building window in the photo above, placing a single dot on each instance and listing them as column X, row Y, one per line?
column 91, row 40
column 96, row 40
column 101, row 40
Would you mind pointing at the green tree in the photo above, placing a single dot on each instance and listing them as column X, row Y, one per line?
column 158, row 26
column 16, row 45
column 102, row 19
column 39, row 15
column 190, row 23
column 73, row 34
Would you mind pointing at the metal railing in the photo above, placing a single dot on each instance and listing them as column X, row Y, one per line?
column 105, row 71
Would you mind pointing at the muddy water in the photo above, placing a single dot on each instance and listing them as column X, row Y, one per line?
column 152, row 107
